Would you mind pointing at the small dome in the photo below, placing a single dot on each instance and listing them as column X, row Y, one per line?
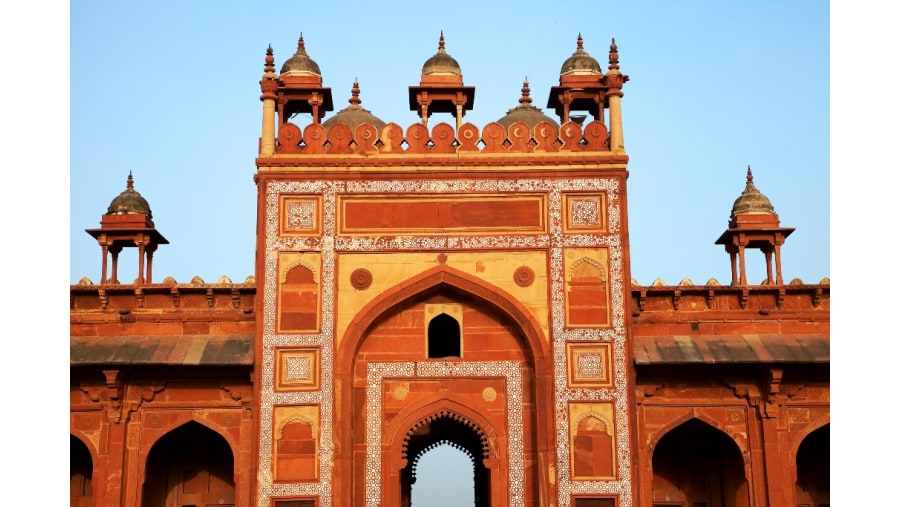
column 580, row 63
column 525, row 112
column 300, row 64
column 752, row 201
column 129, row 202
column 354, row 115
column 441, row 64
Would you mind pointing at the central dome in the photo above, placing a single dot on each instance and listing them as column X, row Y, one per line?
column 354, row 115
column 525, row 112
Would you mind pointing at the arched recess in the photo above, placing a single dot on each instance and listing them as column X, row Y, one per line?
column 438, row 280
column 81, row 473
column 444, row 421
column 190, row 465
column 698, row 464
column 689, row 415
column 812, row 474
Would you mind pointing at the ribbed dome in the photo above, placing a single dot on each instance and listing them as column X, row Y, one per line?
column 300, row 64
column 525, row 112
column 354, row 115
column 129, row 202
column 581, row 62
column 751, row 200
column 441, row 64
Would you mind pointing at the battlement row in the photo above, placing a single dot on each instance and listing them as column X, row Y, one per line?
column 367, row 139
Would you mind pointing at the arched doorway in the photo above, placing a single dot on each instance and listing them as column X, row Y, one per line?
column 443, row 475
column 441, row 430
column 81, row 471
column 696, row 464
column 813, row 468
column 190, row 466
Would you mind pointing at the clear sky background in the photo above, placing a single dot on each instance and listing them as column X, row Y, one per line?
column 170, row 91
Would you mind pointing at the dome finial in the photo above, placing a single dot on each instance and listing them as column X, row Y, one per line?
column 129, row 183
column 749, row 175
column 441, row 43
column 580, row 46
column 526, row 93
column 354, row 99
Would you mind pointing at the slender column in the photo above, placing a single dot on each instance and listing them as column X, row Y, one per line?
column 269, row 85
column 140, row 277
column 150, row 250
column 115, row 264
column 778, row 278
column 743, row 262
column 616, row 141
column 734, row 273
column 615, row 80
column 105, row 249
column 769, row 279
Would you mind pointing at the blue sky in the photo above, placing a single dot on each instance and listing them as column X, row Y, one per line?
column 169, row 91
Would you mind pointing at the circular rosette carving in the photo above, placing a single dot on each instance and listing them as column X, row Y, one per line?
column 361, row 279
column 524, row 276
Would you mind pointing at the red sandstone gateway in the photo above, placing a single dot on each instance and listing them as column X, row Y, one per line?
column 448, row 284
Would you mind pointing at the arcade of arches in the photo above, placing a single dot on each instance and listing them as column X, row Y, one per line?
column 447, row 284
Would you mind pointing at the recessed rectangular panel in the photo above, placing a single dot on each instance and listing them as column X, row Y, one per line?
column 437, row 214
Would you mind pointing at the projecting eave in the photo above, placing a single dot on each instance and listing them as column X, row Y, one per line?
column 736, row 349
column 197, row 350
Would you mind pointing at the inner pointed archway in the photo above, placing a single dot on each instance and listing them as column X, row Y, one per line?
column 434, row 436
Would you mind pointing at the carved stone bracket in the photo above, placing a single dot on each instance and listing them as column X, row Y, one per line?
column 241, row 394
column 773, row 381
column 140, row 394
column 644, row 392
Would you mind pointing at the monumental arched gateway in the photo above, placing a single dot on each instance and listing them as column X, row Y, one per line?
column 445, row 283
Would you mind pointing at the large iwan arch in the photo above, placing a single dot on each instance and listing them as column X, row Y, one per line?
column 505, row 366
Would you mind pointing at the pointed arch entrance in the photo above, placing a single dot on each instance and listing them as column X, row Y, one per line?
column 190, row 466
column 697, row 464
column 499, row 380
column 81, row 471
column 813, row 485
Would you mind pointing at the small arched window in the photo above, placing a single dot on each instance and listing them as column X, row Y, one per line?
column 444, row 338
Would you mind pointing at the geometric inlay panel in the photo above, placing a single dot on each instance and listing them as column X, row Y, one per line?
column 589, row 364
column 301, row 215
column 296, row 369
column 584, row 213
